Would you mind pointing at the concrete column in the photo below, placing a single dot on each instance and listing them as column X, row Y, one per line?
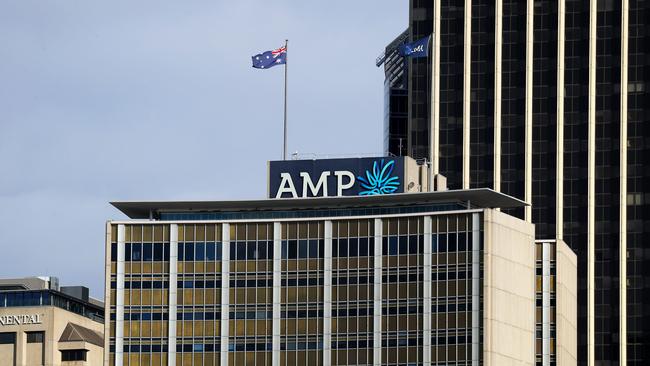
column 327, row 295
column 476, row 289
column 225, row 293
column 173, row 294
column 546, row 304
column 377, row 295
column 107, row 293
column 426, row 294
column 119, row 294
column 277, row 287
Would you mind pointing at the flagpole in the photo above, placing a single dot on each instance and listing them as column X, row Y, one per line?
column 286, row 65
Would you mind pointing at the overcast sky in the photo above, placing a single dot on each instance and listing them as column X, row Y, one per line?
column 156, row 100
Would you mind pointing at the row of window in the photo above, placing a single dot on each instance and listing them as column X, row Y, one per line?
column 401, row 342
column 352, row 280
column 200, row 284
column 303, row 249
column 290, row 346
column 301, row 214
column 414, row 244
column 73, row 355
column 340, row 313
column 49, row 298
column 362, row 343
column 202, row 316
column 288, row 282
column 290, row 314
column 293, row 346
column 353, row 247
column 142, row 284
column 200, row 251
column 146, row 252
column 198, row 347
column 143, row 316
column 394, row 310
column 293, row 249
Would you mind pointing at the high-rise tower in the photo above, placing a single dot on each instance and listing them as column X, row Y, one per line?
column 547, row 101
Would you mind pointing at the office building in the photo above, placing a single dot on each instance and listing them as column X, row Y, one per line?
column 544, row 101
column 395, row 97
column 44, row 324
column 432, row 278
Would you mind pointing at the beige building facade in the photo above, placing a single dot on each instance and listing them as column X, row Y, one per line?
column 48, row 328
column 425, row 278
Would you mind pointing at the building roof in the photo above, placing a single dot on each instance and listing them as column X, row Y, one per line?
column 77, row 333
column 470, row 198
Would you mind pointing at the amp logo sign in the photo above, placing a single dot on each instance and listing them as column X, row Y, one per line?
column 336, row 177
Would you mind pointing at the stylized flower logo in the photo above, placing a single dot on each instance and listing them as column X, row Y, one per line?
column 380, row 180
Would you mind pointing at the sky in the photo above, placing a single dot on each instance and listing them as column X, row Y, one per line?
column 117, row 100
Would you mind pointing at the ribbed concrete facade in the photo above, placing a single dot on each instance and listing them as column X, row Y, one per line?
column 548, row 101
column 419, row 282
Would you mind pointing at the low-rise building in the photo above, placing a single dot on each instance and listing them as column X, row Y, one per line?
column 44, row 324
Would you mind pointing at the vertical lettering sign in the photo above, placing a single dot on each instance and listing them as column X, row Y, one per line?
column 336, row 177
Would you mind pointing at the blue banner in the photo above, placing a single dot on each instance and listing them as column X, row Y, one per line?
column 419, row 48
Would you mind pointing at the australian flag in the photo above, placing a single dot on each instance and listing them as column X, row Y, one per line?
column 419, row 48
column 269, row 59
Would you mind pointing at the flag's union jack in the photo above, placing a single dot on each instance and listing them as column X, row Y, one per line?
column 279, row 51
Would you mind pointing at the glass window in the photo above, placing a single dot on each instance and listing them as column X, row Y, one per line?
column 442, row 243
column 293, row 249
column 240, row 250
column 353, row 247
column 313, row 249
column 403, row 245
column 284, row 250
column 302, row 248
column 392, row 245
column 263, row 250
column 136, row 252
column 199, row 252
column 209, row 251
column 342, row 248
column 8, row 338
column 181, row 251
column 35, row 337
column 158, row 252
column 451, row 240
column 147, row 252
column 363, row 247
column 73, row 355
column 189, row 251
column 251, row 250
column 127, row 252
column 219, row 249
